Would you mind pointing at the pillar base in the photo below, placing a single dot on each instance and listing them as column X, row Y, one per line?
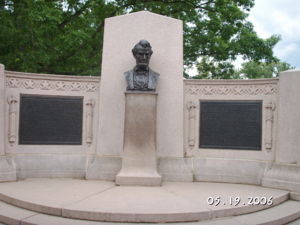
column 139, row 163
column 127, row 179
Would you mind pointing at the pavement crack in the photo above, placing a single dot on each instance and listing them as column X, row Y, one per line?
column 27, row 217
column 88, row 196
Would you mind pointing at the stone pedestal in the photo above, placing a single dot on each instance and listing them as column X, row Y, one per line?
column 139, row 166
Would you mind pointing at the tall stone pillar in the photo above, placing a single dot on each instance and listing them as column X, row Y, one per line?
column 2, row 111
column 7, row 168
column 288, row 129
column 139, row 154
column 120, row 35
column 284, row 172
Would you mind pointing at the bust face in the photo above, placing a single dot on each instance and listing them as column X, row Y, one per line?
column 142, row 57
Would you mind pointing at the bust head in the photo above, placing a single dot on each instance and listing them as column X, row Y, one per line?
column 142, row 53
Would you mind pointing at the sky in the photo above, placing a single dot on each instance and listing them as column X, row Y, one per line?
column 279, row 17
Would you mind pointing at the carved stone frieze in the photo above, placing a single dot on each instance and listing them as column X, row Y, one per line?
column 231, row 89
column 58, row 85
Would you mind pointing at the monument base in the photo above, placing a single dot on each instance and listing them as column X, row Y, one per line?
column 133, row 180
column 139, row 166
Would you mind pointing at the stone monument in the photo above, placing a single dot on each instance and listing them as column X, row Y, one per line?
column 139, row 161
column 121, row 34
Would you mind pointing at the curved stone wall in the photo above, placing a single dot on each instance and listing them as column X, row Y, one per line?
column 50, row 160
column 269, row 166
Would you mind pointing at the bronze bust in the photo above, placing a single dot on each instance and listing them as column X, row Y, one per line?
column 141, row 77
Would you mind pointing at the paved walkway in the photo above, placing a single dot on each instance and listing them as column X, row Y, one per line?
column 104, row 201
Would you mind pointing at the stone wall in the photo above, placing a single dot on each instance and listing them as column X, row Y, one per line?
column 224, row 165
column 50, row 160
column 264, row 90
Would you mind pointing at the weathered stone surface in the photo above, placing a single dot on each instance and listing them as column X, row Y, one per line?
column 176, row 169
column 139, row 160
column 50, row 165
column 103, row 168
column 229, row 170
column 7, row 169
column 283, row 176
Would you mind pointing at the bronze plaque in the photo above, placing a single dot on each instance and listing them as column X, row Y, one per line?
column 231, row 124
column 50, row 120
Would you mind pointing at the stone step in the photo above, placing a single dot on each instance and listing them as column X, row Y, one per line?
column 103, row 201
column 277, row 215
column 295, row 222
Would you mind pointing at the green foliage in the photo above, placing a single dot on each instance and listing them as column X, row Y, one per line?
column 214, row 29
column 65, row 36
column 212, row 69
column 252, row 70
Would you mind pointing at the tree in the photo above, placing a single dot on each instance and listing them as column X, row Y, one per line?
column 254, row 70
column 211, row 69
column 215, row 31
column 65, row 36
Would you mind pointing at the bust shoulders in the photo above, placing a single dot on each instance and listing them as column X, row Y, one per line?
column 153, row 73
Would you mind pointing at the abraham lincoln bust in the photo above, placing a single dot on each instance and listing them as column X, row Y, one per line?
column 141, row 77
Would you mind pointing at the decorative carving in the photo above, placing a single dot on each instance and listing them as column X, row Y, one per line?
column 141, row 77
column 76, row 86
column 57, row 85
column 191, row 124
column 91, row 87
column 12, row 119
column 29, row 84
column 243, row 90
column 270, row 108
column 89, row 121
column 13, row 83
column 60, row 86
column 45, row 85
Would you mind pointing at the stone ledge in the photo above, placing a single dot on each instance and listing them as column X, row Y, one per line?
column 103, row 168
column 176, row 169
column 295, row 196
column 50, row 165
column 229, row 170
column 283, row 176
column 171, row 169
column 7, row 169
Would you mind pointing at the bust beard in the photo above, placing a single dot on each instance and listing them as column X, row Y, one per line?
column 141, row 77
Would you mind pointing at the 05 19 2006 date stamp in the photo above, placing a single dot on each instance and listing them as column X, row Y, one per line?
column 238, row 201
